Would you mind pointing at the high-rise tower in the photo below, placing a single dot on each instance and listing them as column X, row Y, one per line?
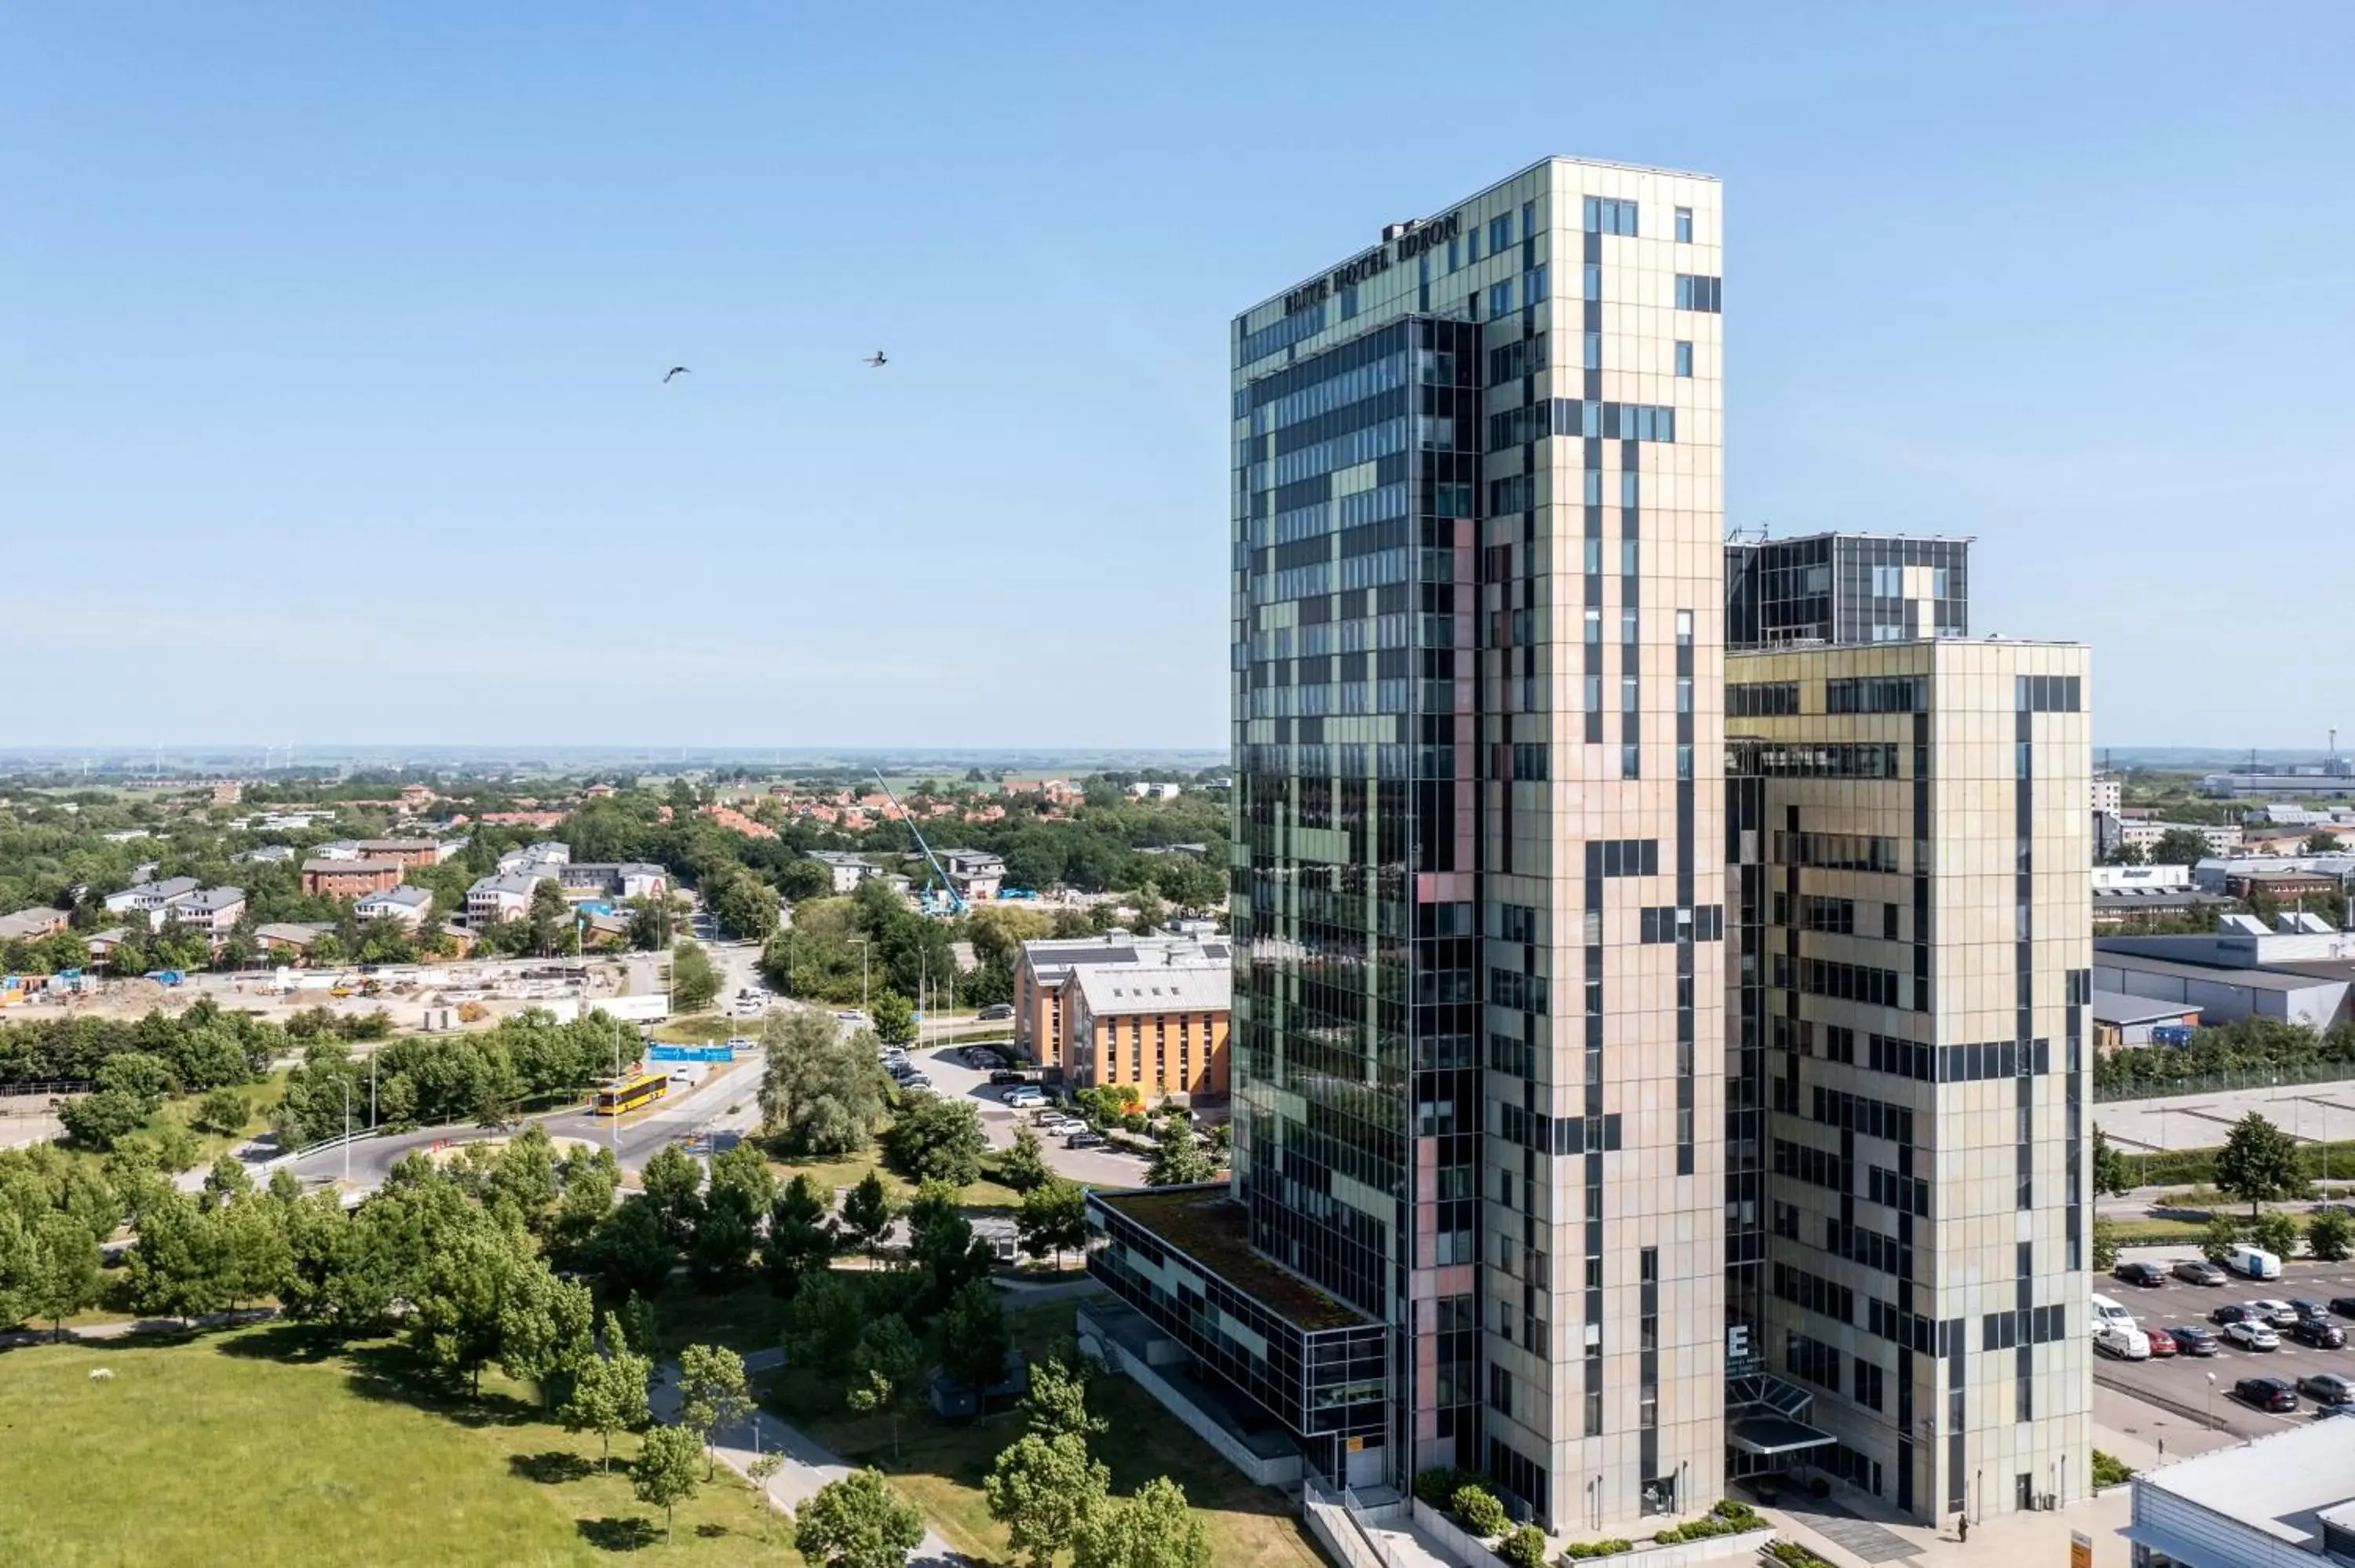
column 1477, row 1216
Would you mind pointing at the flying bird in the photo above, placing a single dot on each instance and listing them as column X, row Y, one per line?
column 877, row 361
column 675, row 370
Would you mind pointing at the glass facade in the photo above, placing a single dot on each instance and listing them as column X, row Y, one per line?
column 1911, row 997
column 1844, row 589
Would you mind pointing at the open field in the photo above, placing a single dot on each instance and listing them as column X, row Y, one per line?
column 266, row 1446
column 249, row 1447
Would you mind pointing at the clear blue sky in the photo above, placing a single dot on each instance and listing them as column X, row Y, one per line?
column 333, row 335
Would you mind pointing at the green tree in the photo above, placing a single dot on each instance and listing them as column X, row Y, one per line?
column 712, row 1394
column 746, row 908
column 2179, row 846
column 544, row 1329
column 609, row 1392
column 857, row 1521
column 2223, row 1233
column 252, row 1243
column 629, row 1251
column 223, row 1111
column 868, row 1212
column 665, row 1474
column 2278, row 1233
column 1024, row 1166
column 938, row 1140
column 890, row 1367
column 2330, row 1236
column 823, row 1322
column 457, row 1307
column 801, row 1238
column 101, row 1120
column 693, row 978
column 180, row 1267
column 1155, row 1529
column 1057, row 1402
column 895, row 1019
column 674, row 1185
column 821, row 1091
column 757, row 1477
column 2259, row 1163
column 225, row 1181
column 1054, row 1218
column 1179, row 1158
column 2321, row 844
column 2105, row 1244
column 1042, row 1489
column 2110, row 1173
column 942, row 1247
column 974, row 1342
column 64, row 1276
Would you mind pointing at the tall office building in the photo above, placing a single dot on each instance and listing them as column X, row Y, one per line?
column 1476, row 1211
column 1508, row 1195
column 1908, row 855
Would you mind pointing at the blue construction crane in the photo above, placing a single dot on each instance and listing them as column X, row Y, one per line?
column 955, row 900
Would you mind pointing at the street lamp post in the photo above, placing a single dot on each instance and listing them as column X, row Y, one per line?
column 862, row 971
column 348, row 1130
column 2212, row 1401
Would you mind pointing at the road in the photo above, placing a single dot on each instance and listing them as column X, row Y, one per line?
column 2179, row 1383
column 727, row 1104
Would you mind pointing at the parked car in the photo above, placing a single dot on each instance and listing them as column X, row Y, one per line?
column 2266, row 1393
column 2125, row 1341
column 2252, row 1262
column 1025, row 1098
column 2321, row 1332
column 2149, row 1275
column 2251, row 1335
column 996, row 1012
column 916, row 1081
column 2306, row 1308
column 2280, row 1314
column 1084, row 1141
column 2232, row 1312
column 1006, row 1075
column 2343, row 1305
column 2325, row 1412
column 2162, row 1343
column 2191, row 1340
column 851, row 1016
column 2326, row 1389
column 2198, row 1271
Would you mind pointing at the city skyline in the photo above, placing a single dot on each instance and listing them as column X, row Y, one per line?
column 351, row 356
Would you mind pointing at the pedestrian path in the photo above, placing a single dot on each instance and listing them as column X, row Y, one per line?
column 808, row 1464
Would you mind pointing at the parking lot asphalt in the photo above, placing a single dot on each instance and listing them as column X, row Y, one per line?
column 2180, row 1383
column 944, row 1065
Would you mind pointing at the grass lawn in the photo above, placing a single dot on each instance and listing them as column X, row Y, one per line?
column 940, row 1467
column 983, row 1196
column 261, row 1447
column 703, row 1027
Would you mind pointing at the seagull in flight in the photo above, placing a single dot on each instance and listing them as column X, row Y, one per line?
column 674, row 370
column 876, row 361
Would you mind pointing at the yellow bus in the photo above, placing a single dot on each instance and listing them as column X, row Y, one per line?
column 619, row 1100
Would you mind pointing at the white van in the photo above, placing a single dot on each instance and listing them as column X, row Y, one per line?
column 2125, row 1341
column 2253, row 1262
column 2109, row 1314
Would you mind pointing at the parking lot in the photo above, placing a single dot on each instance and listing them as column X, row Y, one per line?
column 2180, row 1383
column 945, row 1066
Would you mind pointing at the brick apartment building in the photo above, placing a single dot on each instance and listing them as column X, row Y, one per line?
column 352, row 878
